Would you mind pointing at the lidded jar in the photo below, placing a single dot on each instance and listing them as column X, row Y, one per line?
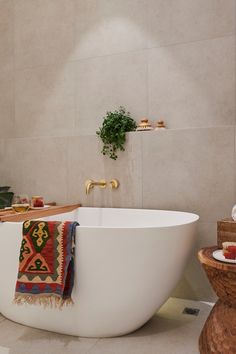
column 37, row 201
column 144, row 125
column 160, row 125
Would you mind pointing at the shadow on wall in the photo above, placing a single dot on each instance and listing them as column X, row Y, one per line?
column 177, row 83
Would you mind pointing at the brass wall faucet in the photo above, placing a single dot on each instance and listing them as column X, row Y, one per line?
column 89, row 184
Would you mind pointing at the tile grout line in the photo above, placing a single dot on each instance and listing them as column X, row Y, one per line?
column 147, row 65
column 147, row 51
column 14, row 71
column 231, row 34
column 92, row 135
column 234, row 145
column 142, row 144
column 74, row 67
column 67, row 169
column 93, row 346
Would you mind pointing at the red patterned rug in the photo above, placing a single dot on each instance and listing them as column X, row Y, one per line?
column 46, row 263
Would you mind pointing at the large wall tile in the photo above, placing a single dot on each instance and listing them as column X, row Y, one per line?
column 128, row 170
column 37, row 167
column 2, row 147
column 106, row 83
column 45, row 100
column 179, row 21
column 84, row 162
column 93, row 165
column 44, row 32
column 6, row 104
column 191, row 170
column 6, row 35
column 195, row 284
column 2, row 153
column 106, row 27
column 6, row 68
column 235, row 169
column 193, row 85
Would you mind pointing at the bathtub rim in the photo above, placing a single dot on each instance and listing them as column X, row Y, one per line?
column 194, row 218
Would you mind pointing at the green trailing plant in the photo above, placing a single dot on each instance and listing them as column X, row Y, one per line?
column 113, row 131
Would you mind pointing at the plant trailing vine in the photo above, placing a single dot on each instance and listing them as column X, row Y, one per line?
column 113, row 131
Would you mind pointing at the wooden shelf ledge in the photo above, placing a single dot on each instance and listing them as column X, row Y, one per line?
column 12, row 216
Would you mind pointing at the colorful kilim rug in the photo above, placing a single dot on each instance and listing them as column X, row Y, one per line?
column 46, row 263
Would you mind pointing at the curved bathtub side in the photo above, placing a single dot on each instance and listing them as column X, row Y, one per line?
column 133, row 273
column 122, row 276
column 10, row 237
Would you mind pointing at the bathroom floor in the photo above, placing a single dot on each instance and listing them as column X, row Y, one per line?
column 168, row 332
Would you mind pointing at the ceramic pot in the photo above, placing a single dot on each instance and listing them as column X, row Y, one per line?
column 6, row 199
column 4, row 189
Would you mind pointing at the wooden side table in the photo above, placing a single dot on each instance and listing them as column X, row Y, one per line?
column 218, row 335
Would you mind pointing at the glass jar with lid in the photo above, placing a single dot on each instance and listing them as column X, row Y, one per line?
column 37, row 201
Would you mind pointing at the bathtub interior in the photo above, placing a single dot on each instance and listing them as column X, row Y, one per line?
column 125, row 218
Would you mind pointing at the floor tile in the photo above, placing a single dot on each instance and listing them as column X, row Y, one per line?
column 4, row 350
column 169, row 331
column 24, row 340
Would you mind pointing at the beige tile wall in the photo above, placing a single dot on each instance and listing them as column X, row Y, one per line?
column 86, row 161
column 6, row 68
column 190, row 170
column 45, row 100
column 192, row 84
column 105, row 83
column 107, row 27
column 7, row 35
column 63, row 64
column 44, row 32
column 37, row 164
column 180, row 21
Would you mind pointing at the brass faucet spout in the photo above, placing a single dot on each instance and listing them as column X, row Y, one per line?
column 89, row 184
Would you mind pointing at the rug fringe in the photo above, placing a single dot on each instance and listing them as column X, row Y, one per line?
column 47, row 301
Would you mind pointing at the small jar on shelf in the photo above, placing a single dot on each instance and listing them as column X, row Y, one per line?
column 37, row 201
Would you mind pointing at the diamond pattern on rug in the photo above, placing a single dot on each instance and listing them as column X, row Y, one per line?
column 46, row 263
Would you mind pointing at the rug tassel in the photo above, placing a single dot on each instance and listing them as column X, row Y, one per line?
column 50, row 301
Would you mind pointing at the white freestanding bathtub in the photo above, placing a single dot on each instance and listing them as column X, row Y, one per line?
column 127, row 263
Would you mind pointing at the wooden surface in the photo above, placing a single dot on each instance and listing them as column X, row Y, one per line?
column 205, row 257
column 226, row 231
column 219, row 332
column 10, row 215
column 218, row 335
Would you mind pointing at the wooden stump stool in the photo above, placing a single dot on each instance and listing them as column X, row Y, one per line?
column 219, row 332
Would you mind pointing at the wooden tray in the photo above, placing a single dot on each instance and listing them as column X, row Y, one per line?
column 10, row 215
